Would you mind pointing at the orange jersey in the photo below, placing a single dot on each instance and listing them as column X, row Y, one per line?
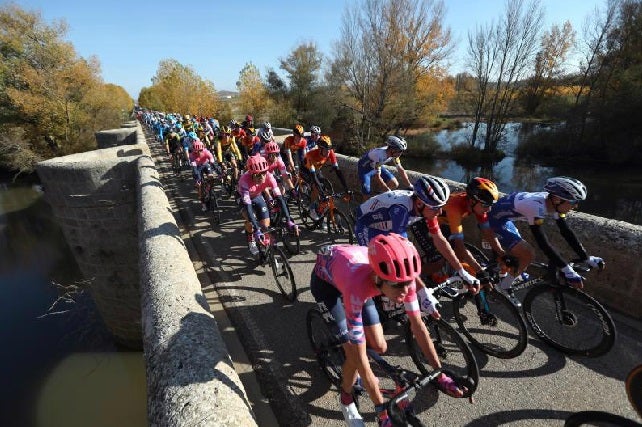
column 238, row 133
column 314, row 160
column 290, row 144
column 455, row 211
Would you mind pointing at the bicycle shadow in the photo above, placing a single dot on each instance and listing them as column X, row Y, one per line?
column 534, row 416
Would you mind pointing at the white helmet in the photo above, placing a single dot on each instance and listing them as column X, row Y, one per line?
column 397, row 142
column 566, row 188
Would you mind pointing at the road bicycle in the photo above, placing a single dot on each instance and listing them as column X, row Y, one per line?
column 288, row 235
column 564, row 317
column 210, row 198
column 633, row 385
column 454, row 353
column 337, row 223
column 270, row 253
column 229, row 179
column 177, row 161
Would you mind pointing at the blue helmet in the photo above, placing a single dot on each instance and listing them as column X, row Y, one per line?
column 192, row 135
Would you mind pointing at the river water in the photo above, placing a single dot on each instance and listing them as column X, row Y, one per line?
column 612, row 192
column 57, row 370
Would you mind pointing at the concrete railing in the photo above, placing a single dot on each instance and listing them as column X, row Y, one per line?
column 117, row 220
column 618, row 242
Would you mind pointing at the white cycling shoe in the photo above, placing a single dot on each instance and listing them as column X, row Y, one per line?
column 351, row 415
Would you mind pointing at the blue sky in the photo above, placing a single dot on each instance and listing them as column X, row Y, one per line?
column 217, row 38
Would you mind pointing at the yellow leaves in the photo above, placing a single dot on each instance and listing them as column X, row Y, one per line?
column 253, row 95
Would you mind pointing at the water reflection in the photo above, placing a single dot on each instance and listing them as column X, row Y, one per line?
column 33, row 253
column 612, row 192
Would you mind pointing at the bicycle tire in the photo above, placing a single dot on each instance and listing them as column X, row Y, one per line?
column 455, row 355
column 283, row 273
column 339, row 227
column 560, row 331
column 598, row 418
column 213, row 205
column 303, row 205
column 291, row 240
column 633, row 386
column 326, row 186
column 477, row 253
column 501, row 333
column 329, row 353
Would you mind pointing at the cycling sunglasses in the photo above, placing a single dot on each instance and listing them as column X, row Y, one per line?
column 399, row 285
column 256, row 175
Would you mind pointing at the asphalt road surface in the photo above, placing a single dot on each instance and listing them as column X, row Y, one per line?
column 541, row 387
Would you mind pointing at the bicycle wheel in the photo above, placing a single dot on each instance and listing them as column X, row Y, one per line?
column 339, row 227
column 598, row 418
column 282, row 273
column 569, row 320
column 291, row 240
column 477, row 253
column 176, row 164
column 453, row 352
column 491, row 323
column 212, row 204
column 326, row 186
column 303, row 206
column 327, row 349
column 634, row 388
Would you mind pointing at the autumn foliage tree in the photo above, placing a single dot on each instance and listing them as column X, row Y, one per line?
column 253, row 94
column 51, row 101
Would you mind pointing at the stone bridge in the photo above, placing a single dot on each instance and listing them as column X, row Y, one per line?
column 122, row 229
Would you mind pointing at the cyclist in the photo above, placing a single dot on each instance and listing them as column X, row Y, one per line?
column 310, row 171
column 479, row 197
column 393, row 211
column 561, row 195
column 173, row 142
column 187, row 140
column 294, row 143
column 228, row 150
column 315, row 134
column 248, row 123
column 276, row 165
column 248, row 143
column 252, row 204
column 201, row 161
column 389, row 265
column 371, row 165
column 265, row 133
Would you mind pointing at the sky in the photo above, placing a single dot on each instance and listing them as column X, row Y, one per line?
column 218, row 38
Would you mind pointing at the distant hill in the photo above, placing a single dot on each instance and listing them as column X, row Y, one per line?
column 227, row 94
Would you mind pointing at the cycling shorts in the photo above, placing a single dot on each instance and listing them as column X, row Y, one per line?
column 199, row 171
column 324, row 292
column 259, row 205
column 506, row 232
column 365, row 176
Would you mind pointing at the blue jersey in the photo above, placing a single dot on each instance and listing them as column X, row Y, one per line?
column 389, row 212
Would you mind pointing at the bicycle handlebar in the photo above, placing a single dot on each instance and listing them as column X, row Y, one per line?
column 416, row 383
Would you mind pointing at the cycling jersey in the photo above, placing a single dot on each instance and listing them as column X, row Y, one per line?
column 249, row 189
column 346, row 267
column 238, row 134
column 389, row 212
column 314, row 160
column 276, row 165
column 226, row 143
column 298, row 146
column 455, row 210
column 199, row 159
column 522, row 206
column 376, row 158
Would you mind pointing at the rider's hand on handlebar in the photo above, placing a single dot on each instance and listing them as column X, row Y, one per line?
column 258, row 235
column 573, row 279
column 471, row 282
column 596, row 262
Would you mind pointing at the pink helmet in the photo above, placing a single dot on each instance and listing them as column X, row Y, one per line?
column 393, row 258
column 256, row 164
column 197, row 145
column 272, row 147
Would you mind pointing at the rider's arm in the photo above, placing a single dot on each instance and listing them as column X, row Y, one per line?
column 219, row 151
column 571, row 238
column 378, row 179
column 463, row 255
column 357, row 359
column 235, row 150
column 420, row 332
column 403, row 174
column 543, row 243
column 489, row 236
column 444, row 248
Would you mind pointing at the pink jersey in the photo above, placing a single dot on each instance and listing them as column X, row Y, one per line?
column 248, row 189
column 199, row 159
column 347, row 268
column 277, row 164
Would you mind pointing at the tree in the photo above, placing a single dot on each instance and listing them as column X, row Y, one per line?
column 499, row 56
column 555, row 46
column 384, row 48
column 303, row 68
column 49, row 97
column 253, row 94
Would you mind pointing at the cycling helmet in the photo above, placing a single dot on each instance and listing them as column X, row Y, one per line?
column 397, row 142
column 325, row 142
column 249, row 118
column 233, row 123
column 315, row 129
column 482, row 190
column 393, row 258
column 265, row 134
column 192, row 135
column 566, row 188
column 272, row 147
column 267, row 126
column 432, row 191
column 179, row 126
column 256, row 164
column 198, row 145
column 298, row 130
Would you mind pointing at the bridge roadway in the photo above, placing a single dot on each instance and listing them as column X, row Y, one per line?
column 539, row 388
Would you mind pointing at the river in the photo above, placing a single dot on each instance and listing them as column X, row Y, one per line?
column 57, row 370
column 612, row 192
